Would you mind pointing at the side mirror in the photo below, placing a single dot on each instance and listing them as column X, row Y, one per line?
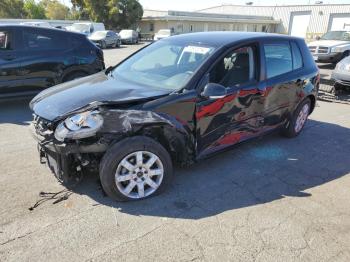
column 318, row 37
column 214, row 91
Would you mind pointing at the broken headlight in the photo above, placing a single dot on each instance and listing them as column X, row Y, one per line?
column 79, row 126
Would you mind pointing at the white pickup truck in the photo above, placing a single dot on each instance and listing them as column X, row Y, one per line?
column 331, row 47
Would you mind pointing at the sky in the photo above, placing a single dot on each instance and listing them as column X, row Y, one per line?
column 192, row 5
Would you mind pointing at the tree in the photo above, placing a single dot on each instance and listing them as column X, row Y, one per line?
column 113, row 13
column 55, row 10
column 34, row 10
column 12, row 9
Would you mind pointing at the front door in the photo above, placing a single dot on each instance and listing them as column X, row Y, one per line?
column 236, row 117
column 9, row 63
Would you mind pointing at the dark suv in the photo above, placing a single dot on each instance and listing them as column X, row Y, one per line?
column 178, row 100
column 34, row 58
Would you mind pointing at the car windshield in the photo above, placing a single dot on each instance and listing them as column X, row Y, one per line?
column 164, row 64
column 99, row 34
column 80, row 27
column 336, row 35
column 125, row 33
column 164, row 32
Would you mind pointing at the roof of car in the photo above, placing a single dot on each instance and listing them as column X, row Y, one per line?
column 40, row 28
column 219, row 38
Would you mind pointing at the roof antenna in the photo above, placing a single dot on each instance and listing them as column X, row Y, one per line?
column 273, row 13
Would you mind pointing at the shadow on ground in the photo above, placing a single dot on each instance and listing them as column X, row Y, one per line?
column 254, row 173
column 15, row 111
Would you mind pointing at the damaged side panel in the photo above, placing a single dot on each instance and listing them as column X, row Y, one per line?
column 174, row 135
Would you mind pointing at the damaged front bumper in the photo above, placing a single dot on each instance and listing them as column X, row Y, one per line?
column 66, row 160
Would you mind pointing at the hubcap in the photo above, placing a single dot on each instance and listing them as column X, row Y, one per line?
column 139, row 174
column 302, row 117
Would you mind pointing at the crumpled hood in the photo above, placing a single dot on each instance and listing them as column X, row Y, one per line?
column 328, row 43
column 65, row 98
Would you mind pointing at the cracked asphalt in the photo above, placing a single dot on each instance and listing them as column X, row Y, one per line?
column 271, row 199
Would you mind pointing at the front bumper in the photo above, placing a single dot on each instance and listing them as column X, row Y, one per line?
column 66, row 160
column 341, row 77
column 328, row 58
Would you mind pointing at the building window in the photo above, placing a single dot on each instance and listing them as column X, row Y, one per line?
column 191, row 28
column 263, row 28
column 151, row 27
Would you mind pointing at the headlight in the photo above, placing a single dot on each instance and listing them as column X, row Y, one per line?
column 79, row 126
column 336, row 49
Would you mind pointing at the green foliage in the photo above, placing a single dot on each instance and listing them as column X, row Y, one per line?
column 55, row 10
column 115, row 14
column 34, row 10
column 12, row 9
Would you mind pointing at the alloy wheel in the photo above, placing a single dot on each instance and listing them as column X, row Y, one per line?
column 302, row 117
column 139, row 174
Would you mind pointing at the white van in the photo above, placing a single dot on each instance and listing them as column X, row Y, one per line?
column 86, row 28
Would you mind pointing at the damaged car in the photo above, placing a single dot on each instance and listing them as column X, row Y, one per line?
column 176, row 101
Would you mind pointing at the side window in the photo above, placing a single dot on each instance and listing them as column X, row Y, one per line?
column 235, row 69
column 278, row 59
column 33, row 40
column 297, row 58
column 5, row 40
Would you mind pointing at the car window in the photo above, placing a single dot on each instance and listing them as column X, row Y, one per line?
column 5, row 40
column 278, row 59
column 33, row 40
column 235, row 69
column 297, row 58
column 164, row 64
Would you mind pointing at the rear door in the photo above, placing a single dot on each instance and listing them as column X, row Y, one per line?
column 283, row 80
column 43, row 57
column 238, row 116
column 9, row 62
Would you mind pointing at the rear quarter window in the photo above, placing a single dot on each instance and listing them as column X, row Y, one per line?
column 278, row 57
column 297, row 58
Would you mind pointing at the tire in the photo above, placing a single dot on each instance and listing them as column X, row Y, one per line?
column 345, row 54
column 119, row 43
column 103, row 45
column 294, row 127
column 120, row 154
column 74, row 76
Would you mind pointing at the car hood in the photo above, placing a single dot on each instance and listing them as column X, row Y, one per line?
column 328, row 43
column 61, row 100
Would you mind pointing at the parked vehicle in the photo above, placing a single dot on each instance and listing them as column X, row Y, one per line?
column 178, row 100
column 34, row 58
column 105, row 39
column 86, row 28
column 341, row 75
column 331, row 47
column 129, row 36
column 37, row 23
column 163, row 33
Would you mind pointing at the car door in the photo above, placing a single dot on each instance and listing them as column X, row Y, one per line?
column 109, row 38
column 44, row 56
column 9, row 62
column 237, row 116
column 282, row 81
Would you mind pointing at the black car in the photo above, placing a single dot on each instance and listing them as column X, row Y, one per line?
column 34, row 58
column 178, row 100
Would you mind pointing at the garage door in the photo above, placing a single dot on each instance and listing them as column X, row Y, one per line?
column 340, row 23
column 299, row 24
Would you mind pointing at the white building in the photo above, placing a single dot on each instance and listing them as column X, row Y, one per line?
column 300, row 20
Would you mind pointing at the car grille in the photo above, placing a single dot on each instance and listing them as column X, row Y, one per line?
column 42, row 127
column 319, row 49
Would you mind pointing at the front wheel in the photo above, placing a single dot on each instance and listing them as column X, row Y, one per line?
column 298, row 119
column 135, row 168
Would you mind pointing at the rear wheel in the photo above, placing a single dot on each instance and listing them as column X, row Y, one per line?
column 135, row 168
column 298, row 120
